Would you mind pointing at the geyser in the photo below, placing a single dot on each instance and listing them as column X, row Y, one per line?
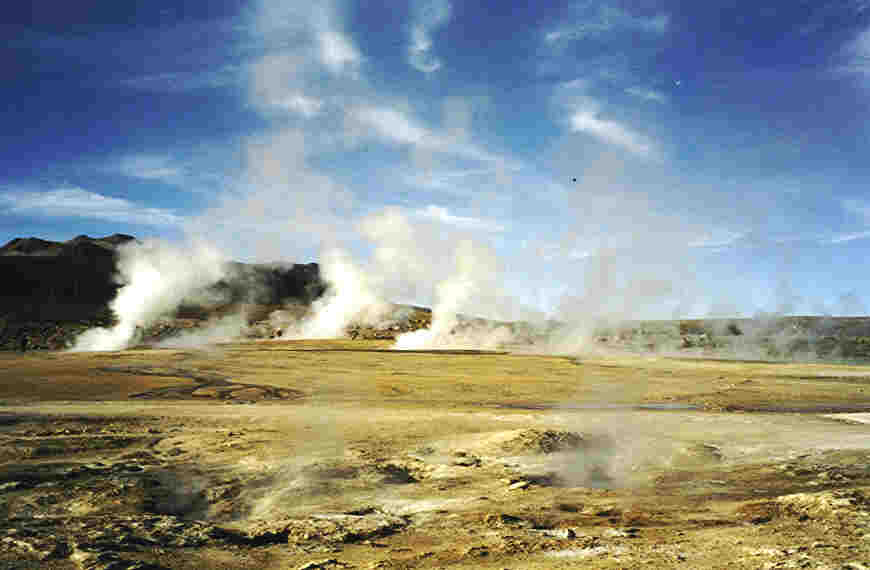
column 156, row 277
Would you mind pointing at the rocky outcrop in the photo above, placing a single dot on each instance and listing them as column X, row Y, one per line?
column 52, row 291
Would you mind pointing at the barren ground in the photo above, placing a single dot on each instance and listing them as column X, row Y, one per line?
column 339, row 454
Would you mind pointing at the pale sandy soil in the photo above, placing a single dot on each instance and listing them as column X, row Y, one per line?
column 337, row 454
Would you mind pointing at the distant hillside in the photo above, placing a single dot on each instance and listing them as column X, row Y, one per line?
column 49, row 281
column 80, row 245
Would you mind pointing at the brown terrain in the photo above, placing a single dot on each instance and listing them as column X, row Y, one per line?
column 273, row 453
column 343, row 454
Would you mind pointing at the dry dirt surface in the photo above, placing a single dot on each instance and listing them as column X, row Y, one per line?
column 342, row 454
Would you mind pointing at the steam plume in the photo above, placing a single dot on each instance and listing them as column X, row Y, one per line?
column 349, row 298
column 156, row 278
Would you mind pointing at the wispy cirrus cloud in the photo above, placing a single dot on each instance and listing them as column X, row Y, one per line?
column 443, row 215
column 592, row 19
column 586, row 112
column 189, row 80
column 847, row 237
column 393, row 125
column 856, row 55
column 312, row 32
column 305, row 59
column 301, row 104
column 337, row 51
column 647, row 94
column 587, row 120
column 449, row 181
column 150, row 167
column 310, row 29
column 202, row 169
column 857, row 207
column 430, row 15
column 717, row 240
column 75, row 202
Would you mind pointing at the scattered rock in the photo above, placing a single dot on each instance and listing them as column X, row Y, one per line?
column 705, row 452
column 560, row 533
column 477, row 551
column 324, row 529
column 87, row 560
column 507, row 520
column 621, row 532
column 251, row 393
column 395, row 474
column 542, row 441
column 323, row 564
column 40, row 546
column 214, row 391
column 11, row 486
column 464, row 459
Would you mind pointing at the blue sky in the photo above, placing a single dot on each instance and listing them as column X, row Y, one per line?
column 714, row 153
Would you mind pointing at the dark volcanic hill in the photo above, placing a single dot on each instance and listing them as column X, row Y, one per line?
column 75, row 280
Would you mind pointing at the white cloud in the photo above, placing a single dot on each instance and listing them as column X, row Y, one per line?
column 337, row 52
column 552, row 251
column 717, row 240
column 308, row 107
column 587, row 121
column 431, row 15
column 441, row 214
column 844, row 238
column 150, row 167
column 76, row 202
column 179, row 81
column 857, row 55
column 448, row 180
column 860, row 208
column 585, row 116
column 393, row 125
column 281, row 208
column 301, row 33
column 594, row 19
column 647, row 94
column 855, row 207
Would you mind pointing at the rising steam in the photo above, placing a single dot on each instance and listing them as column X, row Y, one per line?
column 156, row 277
column 452, row 294
column 349, row 298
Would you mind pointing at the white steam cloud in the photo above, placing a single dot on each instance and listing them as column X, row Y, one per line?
column 349, row 298
column 223, row 329
column 156, row 278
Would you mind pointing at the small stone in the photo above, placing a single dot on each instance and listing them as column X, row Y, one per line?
column 621, row 532
column 477, row 551
column 519, row 485
column 561, row 533
column 318, row 564
column 250, row 393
